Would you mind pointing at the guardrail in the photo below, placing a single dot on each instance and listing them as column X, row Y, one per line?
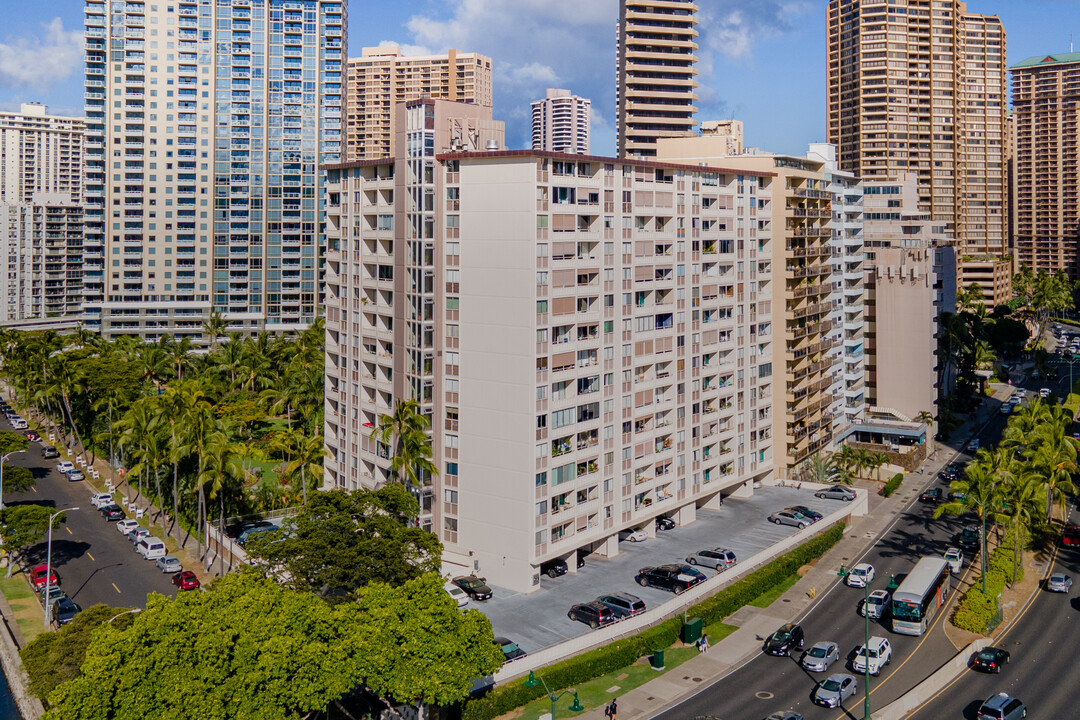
column 675, row 606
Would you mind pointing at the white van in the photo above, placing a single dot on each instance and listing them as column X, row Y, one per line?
column 18, row 424
column 151, row 548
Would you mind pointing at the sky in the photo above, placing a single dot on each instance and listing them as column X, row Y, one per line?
column 761, row 61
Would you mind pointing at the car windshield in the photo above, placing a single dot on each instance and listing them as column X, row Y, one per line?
column 831, row 685
column 471, row 584
column 860, row 571
column 509, row 648
column 818, row 651
column 781, row 636
column 868, row 652
column 877, row 600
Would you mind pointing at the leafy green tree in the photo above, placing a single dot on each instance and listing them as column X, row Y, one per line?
column 22, row 526
column 250, row 648
column 980, row 490
column 345, row 540
column 11, row 441
column 17, row 479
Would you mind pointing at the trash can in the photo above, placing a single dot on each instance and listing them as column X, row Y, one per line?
column 691, row 631
column 658, row 660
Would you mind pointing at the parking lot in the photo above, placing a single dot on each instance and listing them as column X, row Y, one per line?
column 538, row 620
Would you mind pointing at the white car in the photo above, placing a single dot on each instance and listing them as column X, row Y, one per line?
column 459, row 595
column 64, row 467
column 955, row 558
column 634, row 536
column 1016, row 399
column 874, row 606
column 126, row 527
column 878, row 655
column 1006, row 408
column 1044, row 392
column 100, row 500
column 861, row 575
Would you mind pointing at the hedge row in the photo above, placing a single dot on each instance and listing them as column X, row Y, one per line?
column 976, row 609
column 893, row 485
column 623, row 653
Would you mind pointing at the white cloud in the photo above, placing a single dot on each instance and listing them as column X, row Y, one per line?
column 41, row 61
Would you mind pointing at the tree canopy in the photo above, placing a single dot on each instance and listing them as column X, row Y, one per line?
column 23, row 525
column 10, row 441
column 17, row 479
column 250, row 648
column 345, row 540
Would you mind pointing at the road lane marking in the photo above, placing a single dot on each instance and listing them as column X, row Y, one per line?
column 116, row 589
column 33, row 488
column 68, row 529
column 90, row 556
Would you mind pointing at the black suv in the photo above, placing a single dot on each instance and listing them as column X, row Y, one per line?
column 665, row 523
column 554, row 568
column 968, row 537
column 474, row 587
column 64, row 611
column 784, row 640
column 675, row 578
column 623, row 604
column 593, row 614
column 112, row 512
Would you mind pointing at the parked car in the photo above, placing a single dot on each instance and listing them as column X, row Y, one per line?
column 41, row 575
column 787, row 638
column 48, row 452
column 459, row 595
column 75, row 476
column 137, row 535
column 788, row 517
column 665, row 523
column 806, row 512
column 623, row 604
column 1044, row 392
column 32, row 436
column 169, row 564
column 836, row 492
column 633, row 535
column 126, row 527
column 18, row 423
column 878, row 654
column 1002, row 707
column 955, row 558
column 474, row 587
column 151, row 548
column 990, row 659
column 233, row 530
column 1059, row 582
column 554, row 568
column 100, row 500
column 973, row 446
column 64, row 611
column 673, row 578
column 834, row 690
column 1005, row 408
column 1070, row 534
column 186, row 580
column 719, row 559
column 819, row 657
column 51, row 593
column 251, row 532
column 64, row 467
column 113, row 512
column 510, row 649
column 875, row 605
column 969, row 537
column 593, row 614
column 785, row 715
column 860, row 576
column 933, row 495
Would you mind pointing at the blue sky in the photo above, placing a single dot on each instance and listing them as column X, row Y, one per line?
column 762, row 61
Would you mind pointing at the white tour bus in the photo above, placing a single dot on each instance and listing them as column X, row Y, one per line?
column 918, row 599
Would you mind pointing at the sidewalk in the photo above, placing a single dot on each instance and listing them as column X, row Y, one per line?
column 755, row 624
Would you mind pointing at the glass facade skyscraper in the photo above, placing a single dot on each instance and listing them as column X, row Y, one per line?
column 207, row 124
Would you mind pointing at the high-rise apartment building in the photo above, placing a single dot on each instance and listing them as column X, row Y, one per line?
column 207, row 125
column 919, row 86
column 592, row 338
column 656, row 73
column 560, row 123
column 383, row 77
column 41, row 234
column 1046, row 113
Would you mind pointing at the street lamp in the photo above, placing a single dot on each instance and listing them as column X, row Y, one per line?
column 2, row 461
column 843, row 574
column 534, row 681
column 48, row 561
column 134, row 611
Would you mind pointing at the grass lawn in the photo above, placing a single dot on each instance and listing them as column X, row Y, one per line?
column 25, row 605
column 768, row 597
column 599, row 691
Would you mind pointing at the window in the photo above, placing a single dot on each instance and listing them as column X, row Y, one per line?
column 562, row 418
column 563, row 473
column 541, row 306
column 541, row 508
column 541, row 478
column 450, row 495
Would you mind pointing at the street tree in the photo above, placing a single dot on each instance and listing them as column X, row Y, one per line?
column 22, row 526
column 17, row 479
column 11, row 441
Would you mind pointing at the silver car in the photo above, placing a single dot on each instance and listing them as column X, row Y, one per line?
column 834, row 690
column 1059, row 582
column 820, row 657
column 836, row 492
column 720, row 558
column 787, row 517
column 169, row 564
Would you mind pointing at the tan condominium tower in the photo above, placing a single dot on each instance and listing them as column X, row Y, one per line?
column 560, row 123
column 383, row 77
column 656, row 73
column 918, row 86
column 1046, row 108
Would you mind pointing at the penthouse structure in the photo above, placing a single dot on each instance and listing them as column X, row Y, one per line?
column 656, row 73
column 560, row 123
column 919, row 87
column 592, row 338
column 41, row 224
column 207, row 124
column 382, row 77
column 1046, row 111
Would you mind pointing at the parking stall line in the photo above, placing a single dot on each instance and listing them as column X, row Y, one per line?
column 116, row 589
column 68, row 530
column 90, row 556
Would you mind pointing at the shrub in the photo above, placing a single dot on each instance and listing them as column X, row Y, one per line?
column 620, row 654
column 892, row 485
column 975, row 610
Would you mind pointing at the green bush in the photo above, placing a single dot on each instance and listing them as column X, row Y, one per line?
column 892, row 485
column 1072, row 404
column 975, row 610
column 620, row 654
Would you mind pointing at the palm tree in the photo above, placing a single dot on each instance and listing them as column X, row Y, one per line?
column 219, row 471
column 1054, row 462
column 927, row 417
column 880, row 460
column 197, row 423
column 861, row 460
column 820, row 469
column 178, row 353
column 137, row 426
column 980, row 492
column 215, row 327
column 406, row 422
column 154, row 364
column 1024, row 511
column 307, row 452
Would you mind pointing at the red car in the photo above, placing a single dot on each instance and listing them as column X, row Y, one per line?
column 37, row 577
column 1070, row 535
column 186, row 580
column 32, row 436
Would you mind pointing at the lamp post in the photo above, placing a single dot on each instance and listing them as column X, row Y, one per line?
column 134, row 611
column 843, row 574
column 2, row 461
column 48, row 561
column 534, row 681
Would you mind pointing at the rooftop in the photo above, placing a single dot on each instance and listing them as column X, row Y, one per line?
column 1052, row 59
